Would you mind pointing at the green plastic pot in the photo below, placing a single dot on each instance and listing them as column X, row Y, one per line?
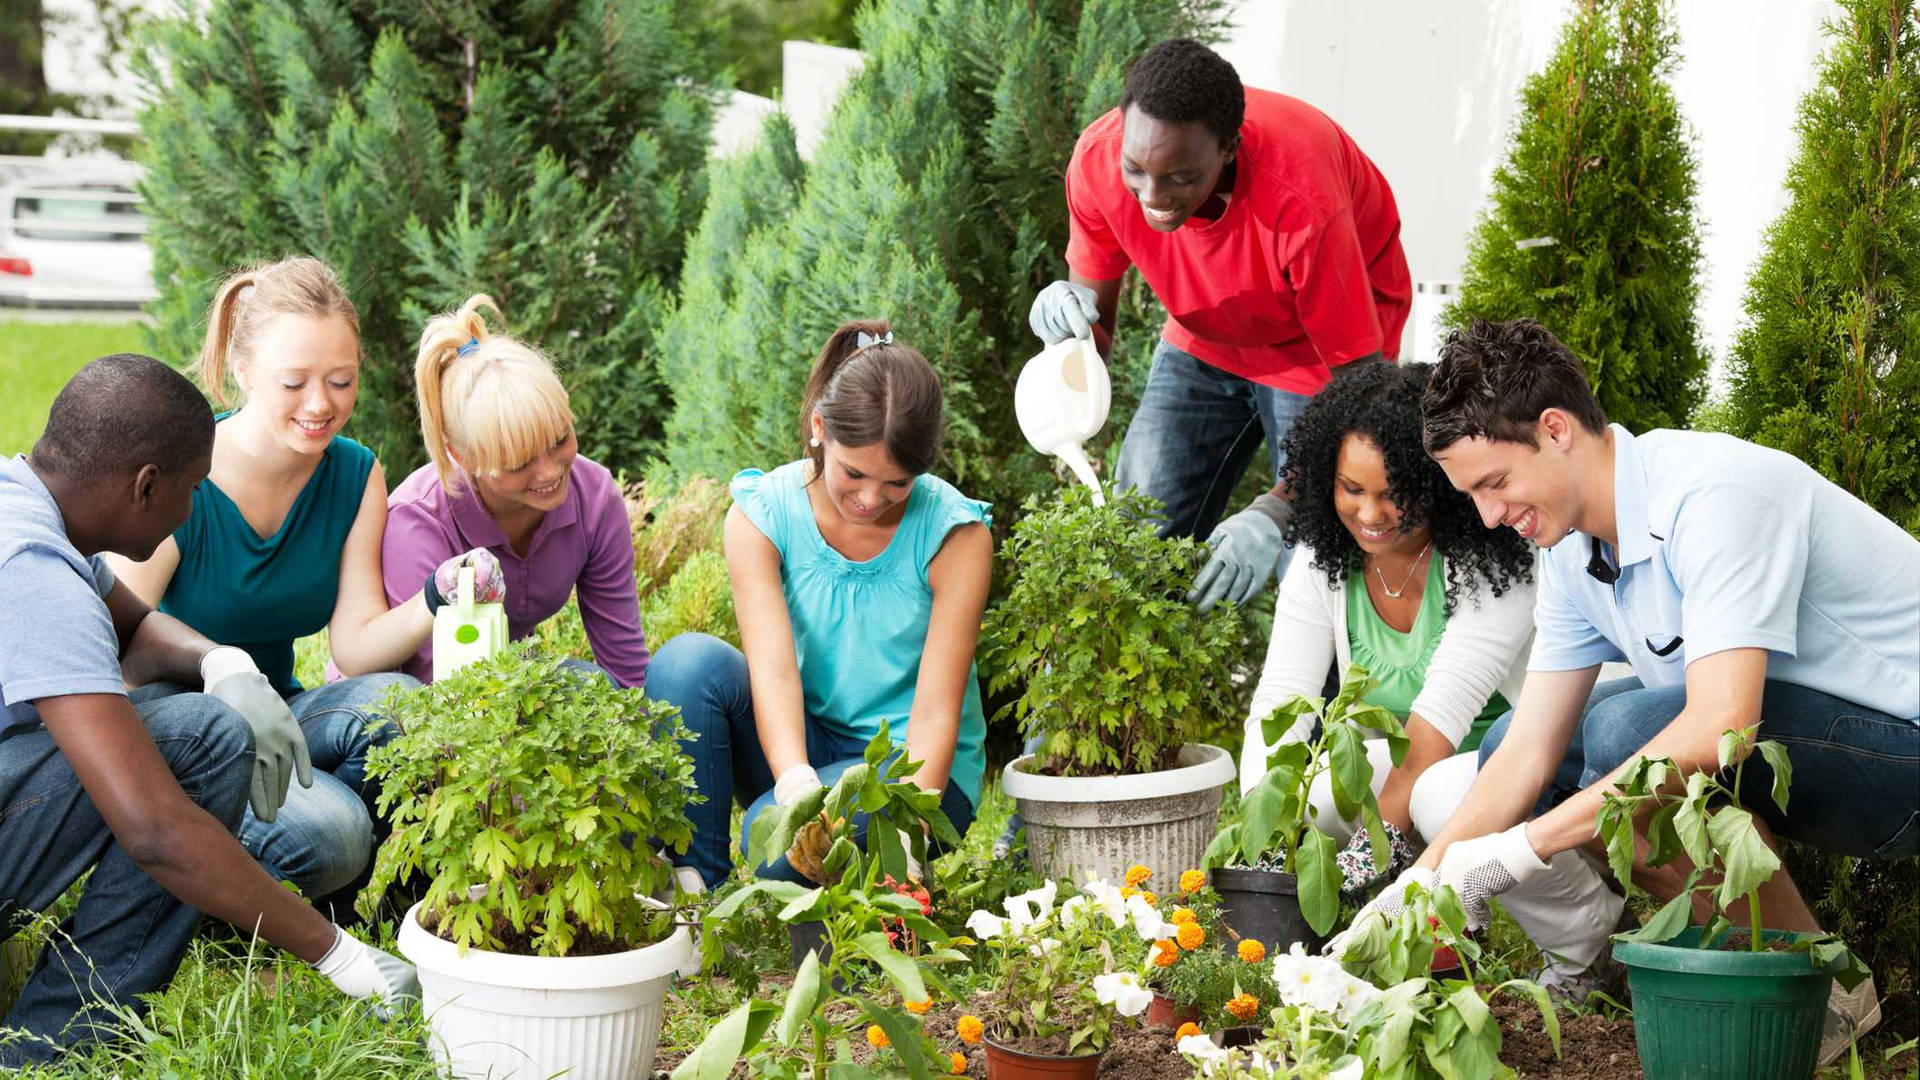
column 1706, row 1014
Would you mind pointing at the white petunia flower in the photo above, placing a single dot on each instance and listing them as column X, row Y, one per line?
column 1044, row 946
column 1074, row 910
column 1352, row 1070
column 1122, row 990
column 1112, row 904
column 1031, row 907
column 1201, row 1049
column 1311, row 982
column 1147, row 921
column 985, row 925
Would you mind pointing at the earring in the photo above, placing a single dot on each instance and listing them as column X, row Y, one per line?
column 814, row 442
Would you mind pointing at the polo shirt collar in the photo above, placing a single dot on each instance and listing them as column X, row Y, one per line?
column 479, row 527
column 1629, row 501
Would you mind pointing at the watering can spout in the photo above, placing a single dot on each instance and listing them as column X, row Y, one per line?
column 1076, row 459
column 1061, row 401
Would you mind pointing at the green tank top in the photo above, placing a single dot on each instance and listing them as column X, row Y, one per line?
column 261, row 593
column 1397, row 662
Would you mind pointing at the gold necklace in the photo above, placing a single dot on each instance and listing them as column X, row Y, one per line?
column 1393, row 593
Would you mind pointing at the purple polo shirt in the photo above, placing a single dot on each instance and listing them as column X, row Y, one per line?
column 585, row 545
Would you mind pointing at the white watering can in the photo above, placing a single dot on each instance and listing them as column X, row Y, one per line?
column 1061, row 401
column 465, row 632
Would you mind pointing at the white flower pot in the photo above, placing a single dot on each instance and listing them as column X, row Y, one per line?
column 1104, row 824
column 497, row 1016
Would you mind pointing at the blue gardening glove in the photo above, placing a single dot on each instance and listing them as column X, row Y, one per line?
column 1246, row 548
column 489, row 583
column 361, row 971
column 1063, row 310
column 1359, row 872
column 279, row 746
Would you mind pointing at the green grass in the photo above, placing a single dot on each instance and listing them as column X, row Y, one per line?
column 37, row 359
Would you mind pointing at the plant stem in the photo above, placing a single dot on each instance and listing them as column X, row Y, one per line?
column 1753, row 915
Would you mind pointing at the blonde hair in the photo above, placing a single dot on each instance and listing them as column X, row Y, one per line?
column 493, row 399
column 247, row 299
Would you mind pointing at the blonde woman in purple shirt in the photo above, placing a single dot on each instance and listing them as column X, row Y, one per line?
column 507, row 482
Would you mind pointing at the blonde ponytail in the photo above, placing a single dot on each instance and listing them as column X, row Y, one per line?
column 249, row 297
column 490, row 400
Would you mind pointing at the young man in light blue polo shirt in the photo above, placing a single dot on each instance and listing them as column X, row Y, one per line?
column 1743, row 588
column 144, row 793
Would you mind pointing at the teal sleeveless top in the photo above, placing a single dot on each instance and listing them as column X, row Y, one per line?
column 1397, row 662
column 859, row 627
column 260, row 593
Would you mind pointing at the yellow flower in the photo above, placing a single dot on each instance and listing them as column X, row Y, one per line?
column 878, row 1039
column 1193, row 881
column 1128, row 892
column 1147, row 895
column 1186, row 1029
column 1250, row 950
column 1165, row 953
column 959, row 1063
column 970, row 1029
column 1191, row 936
column 1184, row 915
column 1137, row 875
column 919, row 1008
column 1244, row 1006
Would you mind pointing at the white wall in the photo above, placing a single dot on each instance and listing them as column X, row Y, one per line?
column 1429, row 88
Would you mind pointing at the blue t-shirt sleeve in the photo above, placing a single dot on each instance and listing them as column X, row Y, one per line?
column 1565, row 638
column 62, row 643
column 952, row 510
column 1739, row 556
column 754, row 492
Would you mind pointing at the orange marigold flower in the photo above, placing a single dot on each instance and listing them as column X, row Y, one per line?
column 1250, row 950
column 1186, row 1029
column 970, row 1029
column 959, row 1063
column 1128, row 892
column 919, row 1008
column 1244, row 1006
column 1137, row 875
column 877, row 1038
column 1191, row 936
column 1149, row 897
column 1193, row 881
column 1165, row 953
column 1184, row 915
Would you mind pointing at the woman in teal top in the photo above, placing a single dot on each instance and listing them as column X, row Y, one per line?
column 284, row 540
column 1393, row 570
column 859, row 581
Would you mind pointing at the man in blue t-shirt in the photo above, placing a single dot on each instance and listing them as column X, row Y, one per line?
column 146, row 796
column 1743, row 588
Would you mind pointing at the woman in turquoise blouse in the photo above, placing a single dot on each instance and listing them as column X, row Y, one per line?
column 284, row 539
column 859, row 580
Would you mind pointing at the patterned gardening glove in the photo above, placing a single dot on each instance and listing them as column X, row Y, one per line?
column 1486, row 866
column 1358, row 872
column 489, row 583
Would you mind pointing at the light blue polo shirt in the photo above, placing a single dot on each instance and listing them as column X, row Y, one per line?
column 1728, row 545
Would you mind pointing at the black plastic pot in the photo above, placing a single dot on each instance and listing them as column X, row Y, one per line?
column 1263, row 905
column 806, row 936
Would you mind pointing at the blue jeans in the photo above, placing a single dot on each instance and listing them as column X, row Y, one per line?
column 1856, row 771
column 128, row 934
column 323, row 838
column 1195, row 433
column 707, row 679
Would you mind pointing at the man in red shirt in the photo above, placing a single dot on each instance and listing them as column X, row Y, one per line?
column 1274, row 245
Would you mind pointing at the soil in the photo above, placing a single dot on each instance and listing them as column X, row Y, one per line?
column 1742, row 941
column 520, row 943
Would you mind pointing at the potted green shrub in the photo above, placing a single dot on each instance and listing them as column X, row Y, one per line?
column 1717, row 1001
column 532, row 797
column 1275, row 873
column 1116, row 673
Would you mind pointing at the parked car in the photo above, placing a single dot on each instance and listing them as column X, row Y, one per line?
column 73, row 240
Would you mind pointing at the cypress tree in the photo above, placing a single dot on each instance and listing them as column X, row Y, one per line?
column 935, row 199
column 1590, row 227
column 1827, row 365
column 550, row 154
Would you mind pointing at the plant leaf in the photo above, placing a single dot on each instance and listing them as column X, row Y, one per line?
column 1541, row 1000
column 1745, row 858
column 1666, row 923
column 802, row 998
column 1318, row 879
column 1782, row 766
column 1352, row 772
column 713, row 1059
column 902, row 972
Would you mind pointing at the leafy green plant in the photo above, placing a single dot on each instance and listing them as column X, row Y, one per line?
column 1422, row 1029
column 1116, row 670
column 865, row 920
column 698, row 597
column 519, row 786
column 1708, row 825
column 1276, row 817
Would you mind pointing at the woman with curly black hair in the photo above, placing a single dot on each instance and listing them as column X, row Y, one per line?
column 1392, row 569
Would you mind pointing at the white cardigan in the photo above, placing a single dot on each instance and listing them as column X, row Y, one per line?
column 1483, row 648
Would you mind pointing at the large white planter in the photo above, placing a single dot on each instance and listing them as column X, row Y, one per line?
column 1104, row 824
column 495, row 1016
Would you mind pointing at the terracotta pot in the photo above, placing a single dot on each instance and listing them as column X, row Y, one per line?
column 1006, row 1063
column 1164, row 1012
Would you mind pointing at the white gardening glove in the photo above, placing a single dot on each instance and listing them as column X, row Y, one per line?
column 789, row 786
column 489, row 581
column 1486, row 866
column 1064, row 310
column 1386, row 907
column 279, row 746
column 361, row 971
column 812, row 841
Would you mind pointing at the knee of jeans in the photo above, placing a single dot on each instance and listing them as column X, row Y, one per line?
column 339, row 835
column 219, row 781
column 376, row 685
column 1496, row 732
column 688, row 668
column 1618, row 727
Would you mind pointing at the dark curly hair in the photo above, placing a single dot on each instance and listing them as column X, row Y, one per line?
column 1381, row 401
column 1180, row 81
